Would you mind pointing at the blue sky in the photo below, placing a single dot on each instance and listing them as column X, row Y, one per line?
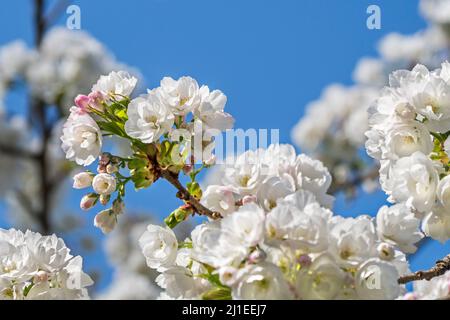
column 271, row 57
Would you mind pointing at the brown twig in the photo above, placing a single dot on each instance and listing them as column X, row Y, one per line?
column 17, row 152
column 441, row 267
column 186, row 196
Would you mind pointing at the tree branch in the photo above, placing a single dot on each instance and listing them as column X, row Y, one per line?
column 186, row 196
column 441, row 267
column 17, row 152
column 38, row 106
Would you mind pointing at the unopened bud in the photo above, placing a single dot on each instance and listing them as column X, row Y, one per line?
column 106, row 220
column 104, row 199
column 304, row 260
column 177, row 216
column 111, row 168
column 96, row 100
column 385, row 251
column 82, row 102
column 82, row 180
column 118, row 206
column 88, row 201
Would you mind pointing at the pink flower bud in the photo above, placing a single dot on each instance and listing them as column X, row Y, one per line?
column 82, row 102
column 88, row 201
column 96, row 100
column 305, row 260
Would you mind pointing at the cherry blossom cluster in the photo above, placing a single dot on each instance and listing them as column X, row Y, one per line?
column 409, row 129
column 437, row 11
column 66, row 63
column 35, row 267
column 333, row 127
column 160, row 128
column 277, row 239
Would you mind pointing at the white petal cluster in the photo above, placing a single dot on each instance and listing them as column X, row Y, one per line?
column 332, row 128
column 437, row 11
column 115, row 83
column 409, row 125
column 154, row 114
column 81, row 139
column 336, row 115
column 69, row 62
column 399, row 226
column 39, row 267
column 282, row 244
column 266, row 175
column 148, row 118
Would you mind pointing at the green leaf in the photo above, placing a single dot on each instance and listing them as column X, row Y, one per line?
column 27, row 289
column 177, row 216
column 194, row 189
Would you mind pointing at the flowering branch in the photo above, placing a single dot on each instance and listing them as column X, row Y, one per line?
column 186, row 196
column 441, row 267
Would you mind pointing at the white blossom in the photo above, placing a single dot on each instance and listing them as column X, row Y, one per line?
column 39, row 267
column 322, row 280
column 443, row 192
column 181, row 96
column 436, row 10
column 377, row 279
column 116, row 83
column 81, row 139
column 82, row 180
column 261, row 282
column 352, row 240
column 413, row 180
column 399, row 226
column 159, row 246
column 148, row 118
column 436, row 224
column 220, row 199
column 14, row 58
column 211, row 110
column 104, row 183
column 106, row 220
